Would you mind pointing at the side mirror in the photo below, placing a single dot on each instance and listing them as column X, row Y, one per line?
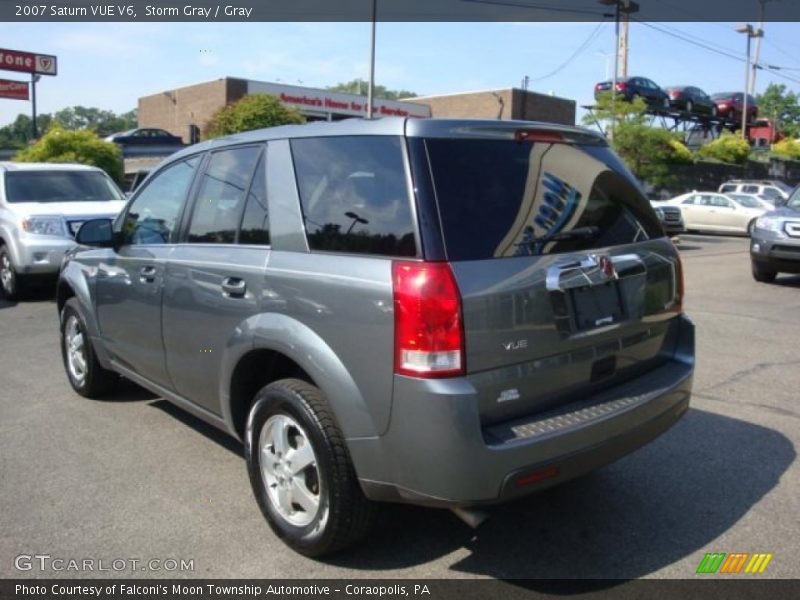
column 96, row 232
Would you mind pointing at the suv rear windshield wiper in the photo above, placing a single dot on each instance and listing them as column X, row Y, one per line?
column 535, row 245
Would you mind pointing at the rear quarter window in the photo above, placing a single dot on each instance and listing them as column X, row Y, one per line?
column 354, row 195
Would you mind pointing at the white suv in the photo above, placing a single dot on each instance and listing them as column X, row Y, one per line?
column 42, row 206
column 766, row 189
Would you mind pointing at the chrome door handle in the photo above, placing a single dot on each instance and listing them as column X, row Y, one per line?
column 147, row 274
column 233, row 286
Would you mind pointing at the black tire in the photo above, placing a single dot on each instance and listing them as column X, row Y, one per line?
column 763, row 274
column 12, row 285
column 344, row 515
column 96, row 381
column 750, row 227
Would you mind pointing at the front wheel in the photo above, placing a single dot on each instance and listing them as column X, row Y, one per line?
column 763, row 274
column 300, row 470
column 10, row 282
column 85, row 373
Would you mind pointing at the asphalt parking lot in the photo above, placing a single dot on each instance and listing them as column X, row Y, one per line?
column 134, row 477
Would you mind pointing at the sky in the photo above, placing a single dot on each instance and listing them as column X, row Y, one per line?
column 110, row 65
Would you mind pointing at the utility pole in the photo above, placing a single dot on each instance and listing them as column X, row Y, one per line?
column 371, row 87
column 751, row 33
column 752, row 88
column 627, row 7
column 623, row 44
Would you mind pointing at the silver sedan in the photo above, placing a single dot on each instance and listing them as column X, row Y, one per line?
column 712, row 211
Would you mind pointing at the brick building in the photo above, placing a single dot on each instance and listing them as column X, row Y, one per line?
column 185, row 111
column 508, row 103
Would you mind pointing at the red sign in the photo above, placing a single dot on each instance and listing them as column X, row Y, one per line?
column 16, row 90
column 14, row 60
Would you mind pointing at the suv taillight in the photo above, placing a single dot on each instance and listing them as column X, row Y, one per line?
column 621, row 86
column 428, row 333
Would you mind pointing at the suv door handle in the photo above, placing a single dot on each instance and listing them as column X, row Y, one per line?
column 147, row 274
column 233, row 286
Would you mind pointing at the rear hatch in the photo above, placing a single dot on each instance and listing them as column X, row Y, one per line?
column 568, row 284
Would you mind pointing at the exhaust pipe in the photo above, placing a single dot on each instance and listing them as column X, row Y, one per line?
column 473, row 518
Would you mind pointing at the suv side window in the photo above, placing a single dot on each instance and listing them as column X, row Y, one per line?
column 220, row 199
column 750, row 189
column 255, row 223
column 152, row 216
column 728, row 187
column 354, row 194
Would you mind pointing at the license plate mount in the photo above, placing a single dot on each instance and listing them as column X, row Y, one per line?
column 596, row 306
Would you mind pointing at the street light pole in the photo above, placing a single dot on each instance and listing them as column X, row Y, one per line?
column 371, row 86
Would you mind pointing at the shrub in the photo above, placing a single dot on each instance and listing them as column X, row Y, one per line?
column 727, row 148
column 251, row 112
column 82, row 146
column 788, row 148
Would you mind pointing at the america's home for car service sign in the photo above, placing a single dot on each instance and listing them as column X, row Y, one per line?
column 27, row 62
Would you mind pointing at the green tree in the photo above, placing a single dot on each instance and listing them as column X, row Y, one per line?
column 359, row 86
column 648, row 151
column 102, row 121
column 251, row 112
column 18, row 133
column 782, row 106
column 727, row 148
column 60, row 145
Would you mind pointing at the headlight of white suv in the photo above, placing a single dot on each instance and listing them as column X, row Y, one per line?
column 44, row 226
column 769, row 223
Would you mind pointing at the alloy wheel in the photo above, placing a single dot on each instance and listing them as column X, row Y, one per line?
column 289, row 470
column 75, row 345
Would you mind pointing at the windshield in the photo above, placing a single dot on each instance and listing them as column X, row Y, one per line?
column 746, row 201
column 794, row 199
column 60, row 186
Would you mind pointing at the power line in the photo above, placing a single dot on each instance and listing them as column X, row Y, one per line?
column 690, row 40
column 545, row 7
column 578, row 51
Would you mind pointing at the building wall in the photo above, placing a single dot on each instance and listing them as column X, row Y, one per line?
column 177, row 110
column 517, row 104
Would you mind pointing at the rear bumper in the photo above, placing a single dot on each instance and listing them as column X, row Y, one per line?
column 437, row 453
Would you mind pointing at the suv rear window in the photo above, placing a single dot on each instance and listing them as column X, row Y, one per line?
column 502, row 198
column 354, row 194
column 59, row 186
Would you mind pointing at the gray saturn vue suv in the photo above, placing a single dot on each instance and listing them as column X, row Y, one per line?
column 446, row 313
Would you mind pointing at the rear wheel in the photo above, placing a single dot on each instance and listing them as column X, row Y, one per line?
column 763, row 274
column 750, row 227
column 300, row 470
column 85, row 373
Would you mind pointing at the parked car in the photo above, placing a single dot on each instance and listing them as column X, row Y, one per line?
column 750, row 199
column 394, row 317
column 691, row 100
column 145, row 136
column 41, row 207
column 670, row 217
column 775, row 242
column 635, row 87
column 772, row 189
column 730, row 106
column 710, row 211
